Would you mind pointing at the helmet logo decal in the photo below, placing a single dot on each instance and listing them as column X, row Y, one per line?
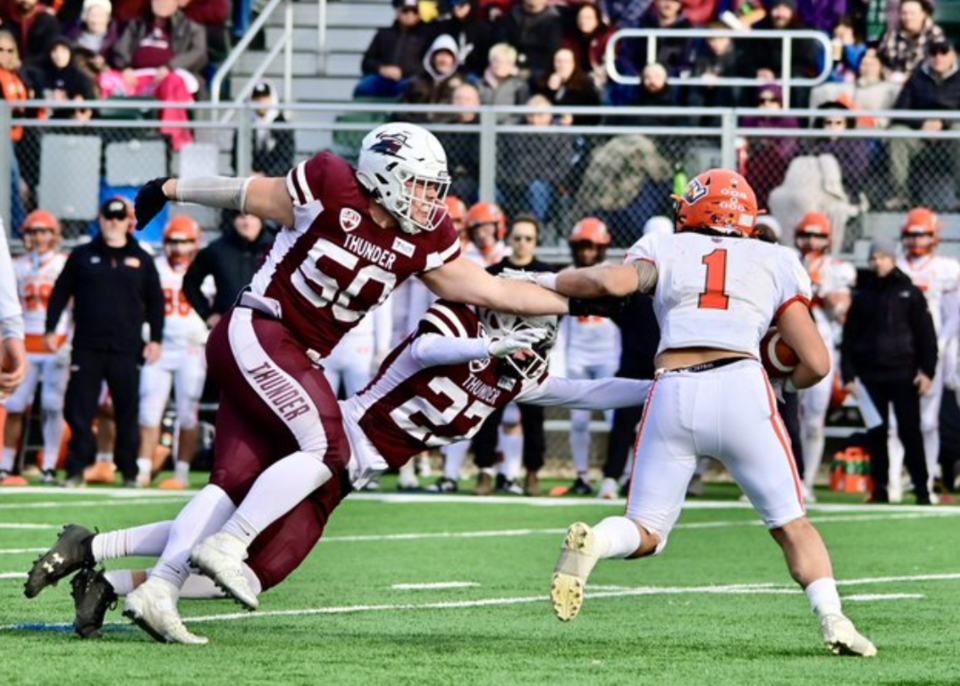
column 390, row 143
column 694, row 192
column 349, row 219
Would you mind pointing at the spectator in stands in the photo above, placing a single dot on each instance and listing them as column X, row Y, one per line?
column 115, row 290
column 94, row 37
column 473, row 34
column 903, row 49
column 890, row 345
column 569, row 86
column 212, row 15
column 273, row 148
column 588, row 40
column 870, row 91
column 536, row 30
column 768, row 158
column 463, row 149
column 435, row 84
column 715, row 58
column 848, row 50
column 766, row 56
column 672, row 53
column 61, row 79
column 933, row 86
column 231, row 260
column 34, row 24
column 853, row 154
column 14, row 90
column 623, row 14
column 502, row 84
column 822, row 15
column 654, row 92
column 395, row 54
column 534, row 168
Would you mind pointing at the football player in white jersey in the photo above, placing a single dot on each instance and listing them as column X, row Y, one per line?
column 831, row 279
column 182, row 366
column 589, row 346
column 938, row 277
column 36, row 273
column 486, row 229
column 715, row 294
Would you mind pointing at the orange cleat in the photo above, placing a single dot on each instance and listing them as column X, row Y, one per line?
column 101, row 473
column 14, row 480
column 171, row 485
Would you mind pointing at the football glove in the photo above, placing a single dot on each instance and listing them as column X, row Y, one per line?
column 150, row 201
column 515, row 341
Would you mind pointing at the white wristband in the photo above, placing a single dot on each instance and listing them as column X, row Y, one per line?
column 547, row 280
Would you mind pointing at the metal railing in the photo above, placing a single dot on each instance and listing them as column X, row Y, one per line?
column 786, row 80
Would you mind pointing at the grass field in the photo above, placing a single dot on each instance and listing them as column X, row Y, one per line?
column 423, row 590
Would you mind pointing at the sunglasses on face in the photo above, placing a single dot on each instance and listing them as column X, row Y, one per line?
column 116, row 216
column 179, row 241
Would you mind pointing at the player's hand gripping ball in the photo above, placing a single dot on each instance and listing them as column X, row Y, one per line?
column 778, row 358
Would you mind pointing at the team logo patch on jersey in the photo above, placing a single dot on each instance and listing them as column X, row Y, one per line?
column 133, row 262
column 506, row 383
column 349, row 219
column 403, row 247
column 694, row 191
column 94, row 260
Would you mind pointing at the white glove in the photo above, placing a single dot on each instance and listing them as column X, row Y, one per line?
column 519, row 275
column 516, row 341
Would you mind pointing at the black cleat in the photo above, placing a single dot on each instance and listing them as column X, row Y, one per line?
column 70, row 553
column 580, row 487
column 443, row 485
column 92, row 597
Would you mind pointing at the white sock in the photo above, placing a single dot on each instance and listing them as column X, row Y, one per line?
column 813, row 442
column 121, row 580
column 512, row 447
column 104, row 457
column 52, row 436
column 181, row 472
column 147, row 541
column 202, row 516
column 144, row 466
column 6, row 461
column 200, row 587
column 277, row 491
column 580, row 439
column 823, row 596
column 931, row 450
column 455, row 455
column 616, row 537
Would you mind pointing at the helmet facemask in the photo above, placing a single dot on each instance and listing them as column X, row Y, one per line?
column 535, row 362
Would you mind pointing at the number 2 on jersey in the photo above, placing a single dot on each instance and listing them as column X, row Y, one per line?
column 714, row 295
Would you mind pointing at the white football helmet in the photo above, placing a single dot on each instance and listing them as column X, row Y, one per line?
column 499, row 324
column 405, row 168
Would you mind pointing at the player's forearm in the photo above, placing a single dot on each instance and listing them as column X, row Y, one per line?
column 615, row 280
column 433, row 350
column 582, row 394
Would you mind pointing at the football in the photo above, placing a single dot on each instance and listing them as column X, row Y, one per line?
column 778, row 358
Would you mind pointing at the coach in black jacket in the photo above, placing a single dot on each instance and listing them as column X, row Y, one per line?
column 889, row 343
column 115, row 289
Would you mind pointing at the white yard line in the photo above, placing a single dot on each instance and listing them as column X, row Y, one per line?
column 63, row 504
column 13, row 575
column 22, row 551
column 18, row 525
column 436, row 585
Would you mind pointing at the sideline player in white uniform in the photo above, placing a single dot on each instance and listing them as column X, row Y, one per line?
column 486, row 229
column 938, row 277
column 589, row 346
column 182, row 366
column 716, row 291
column 470, row 359
column 831, row 279
column 36, row 273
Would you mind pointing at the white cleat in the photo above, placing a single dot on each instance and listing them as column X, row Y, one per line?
column 578, row 557
column 221, row 558
column 153, row 608
column 609, row 489
column 842, row 638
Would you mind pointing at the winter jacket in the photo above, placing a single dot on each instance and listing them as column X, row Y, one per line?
column 396, row 46
column 925, row 90
column 889, row 334
column 189, row 43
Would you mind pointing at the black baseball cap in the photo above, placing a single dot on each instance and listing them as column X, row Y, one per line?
column 115, row 208
column 262, row 90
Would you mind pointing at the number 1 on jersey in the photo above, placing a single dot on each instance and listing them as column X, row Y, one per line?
column 714, row 296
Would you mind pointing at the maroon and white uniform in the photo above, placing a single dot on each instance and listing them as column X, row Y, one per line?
column 322, row 276
column 435, row 389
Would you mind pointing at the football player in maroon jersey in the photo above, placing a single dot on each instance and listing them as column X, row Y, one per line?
column 350, row 237
column 469, row 361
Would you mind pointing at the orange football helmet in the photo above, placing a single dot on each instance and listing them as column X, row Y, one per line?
column 590, row 230
column 457, row 211
column 813, row 233
column 921, row 231
column 44, row 221
column 487, row 213
column 180, row 239
column 720, row 200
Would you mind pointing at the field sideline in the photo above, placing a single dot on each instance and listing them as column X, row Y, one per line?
column 450, row 590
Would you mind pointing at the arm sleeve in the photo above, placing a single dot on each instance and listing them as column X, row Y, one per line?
column 153, row 301
column 193, row 284
column 432, row 350
column 62, row 291
column 372, row 58
column 11, row 314
column 924, row 334
column 581, row 394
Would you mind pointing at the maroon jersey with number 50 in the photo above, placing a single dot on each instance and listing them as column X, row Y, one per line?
column 336, row 264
